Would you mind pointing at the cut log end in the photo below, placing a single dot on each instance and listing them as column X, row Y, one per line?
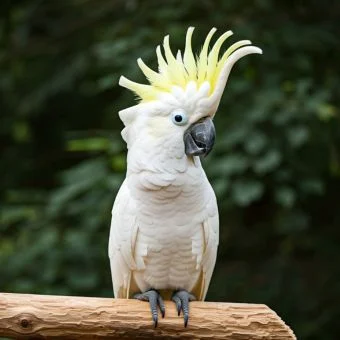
column 65, row 317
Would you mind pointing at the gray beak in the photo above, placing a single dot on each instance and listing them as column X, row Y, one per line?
column 199, row 138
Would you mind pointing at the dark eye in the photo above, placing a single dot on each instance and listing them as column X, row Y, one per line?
column 179, row 117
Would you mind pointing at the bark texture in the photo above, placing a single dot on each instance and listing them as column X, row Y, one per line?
column 39, row 316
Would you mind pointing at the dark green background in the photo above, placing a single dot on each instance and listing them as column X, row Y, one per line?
column 275, row 167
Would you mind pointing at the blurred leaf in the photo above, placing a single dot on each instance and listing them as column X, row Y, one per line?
column 247, row 191
column 89, row 144
column 255, row 143
column 13, row 214
column 297, row 135
column 285, row 196
column 21, row 132
column 118, row 163
column 269, row 161
column 220, row 186
column 88, row 171
column 326, row 112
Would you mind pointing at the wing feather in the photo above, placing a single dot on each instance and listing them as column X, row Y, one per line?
column 122, row 241
column 211, row 239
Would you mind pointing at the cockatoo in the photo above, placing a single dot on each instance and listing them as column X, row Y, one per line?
column 165, row 228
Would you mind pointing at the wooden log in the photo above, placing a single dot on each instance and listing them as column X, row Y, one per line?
column 66, row 317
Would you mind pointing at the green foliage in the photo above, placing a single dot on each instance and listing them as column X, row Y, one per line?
column 275, row 167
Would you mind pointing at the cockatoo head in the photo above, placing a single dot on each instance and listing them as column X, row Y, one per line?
column 182, row 98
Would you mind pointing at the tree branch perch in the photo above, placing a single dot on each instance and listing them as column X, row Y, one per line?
column 40, row 316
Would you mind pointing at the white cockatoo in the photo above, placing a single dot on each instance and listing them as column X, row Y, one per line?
column 165, row 229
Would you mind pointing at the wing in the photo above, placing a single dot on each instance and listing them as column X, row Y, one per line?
column 122, row 241
column 211, row 238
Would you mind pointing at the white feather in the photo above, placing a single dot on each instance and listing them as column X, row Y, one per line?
column 164, row 229
column 164, row 232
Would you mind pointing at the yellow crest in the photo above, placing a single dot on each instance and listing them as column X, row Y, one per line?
column 182, row 69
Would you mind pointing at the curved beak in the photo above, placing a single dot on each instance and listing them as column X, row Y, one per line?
column 199, row 138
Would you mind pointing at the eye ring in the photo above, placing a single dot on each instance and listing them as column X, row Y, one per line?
column 179, row 117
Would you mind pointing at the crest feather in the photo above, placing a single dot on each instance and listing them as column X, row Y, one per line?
column 180, row 71
column 203, row 58
column 213, row 55
column 189, row 59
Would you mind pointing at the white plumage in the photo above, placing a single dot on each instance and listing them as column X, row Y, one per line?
column 164, row 229
column 164, row 232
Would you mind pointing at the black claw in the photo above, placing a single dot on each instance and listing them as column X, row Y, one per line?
column 161, row 305
column 186, row 319
column 178, row 303
column 182, row 299
column 155, row 301
column 185, row 309
column 155, row 320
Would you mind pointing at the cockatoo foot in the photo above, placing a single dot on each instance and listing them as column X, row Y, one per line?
column 182, row 299
column 155, row 301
